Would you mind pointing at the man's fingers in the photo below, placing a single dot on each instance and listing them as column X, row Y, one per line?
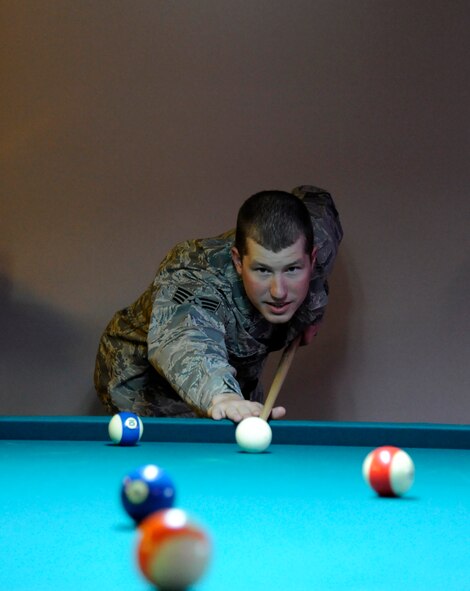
column 240, row 411
column 217, row 414
column 237, row 410
column 278, row 412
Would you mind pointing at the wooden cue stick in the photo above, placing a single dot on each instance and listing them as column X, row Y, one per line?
column 280, row 376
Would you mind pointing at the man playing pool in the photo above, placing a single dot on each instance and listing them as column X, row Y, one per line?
column 195, row 342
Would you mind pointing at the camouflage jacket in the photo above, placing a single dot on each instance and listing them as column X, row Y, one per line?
column 202, row 334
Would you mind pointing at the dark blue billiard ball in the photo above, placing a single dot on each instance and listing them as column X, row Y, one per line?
column 146, row 490
column 125, row 428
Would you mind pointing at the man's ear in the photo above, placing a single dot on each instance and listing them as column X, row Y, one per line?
column 237, row 260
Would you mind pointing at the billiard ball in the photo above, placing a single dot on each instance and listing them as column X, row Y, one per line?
column 253, row 435
column 145, row 490
column 172, row 551
column 389, row 471
column 125, row 428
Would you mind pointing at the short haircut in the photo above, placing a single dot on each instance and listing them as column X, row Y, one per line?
column 275, row 220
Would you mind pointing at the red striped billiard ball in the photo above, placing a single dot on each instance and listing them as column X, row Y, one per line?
column 389, row 471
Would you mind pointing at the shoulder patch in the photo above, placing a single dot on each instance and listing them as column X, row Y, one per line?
column 185, row 296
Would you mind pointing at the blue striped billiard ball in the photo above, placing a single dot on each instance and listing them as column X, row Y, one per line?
column 125, row 428
column 146, row 490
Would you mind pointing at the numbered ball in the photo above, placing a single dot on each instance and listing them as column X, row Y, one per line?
column 146, row 490
column 389, row 471
column 253, row 435
column 125, row 428
column 172, row 552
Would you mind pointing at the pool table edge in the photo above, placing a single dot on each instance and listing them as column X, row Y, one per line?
column 85, row 428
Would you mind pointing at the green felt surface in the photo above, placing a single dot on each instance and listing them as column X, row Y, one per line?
column 296, row 518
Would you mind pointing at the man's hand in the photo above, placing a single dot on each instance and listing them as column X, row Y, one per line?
column 231, row 406
column 309, row 334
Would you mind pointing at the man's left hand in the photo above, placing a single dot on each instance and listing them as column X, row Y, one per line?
column 309, row 334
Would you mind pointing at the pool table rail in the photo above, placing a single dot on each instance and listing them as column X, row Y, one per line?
column 85, row 428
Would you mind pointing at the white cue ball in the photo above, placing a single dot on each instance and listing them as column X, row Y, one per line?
column 253, row 435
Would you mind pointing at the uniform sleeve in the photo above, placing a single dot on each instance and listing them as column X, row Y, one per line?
column 186, row 341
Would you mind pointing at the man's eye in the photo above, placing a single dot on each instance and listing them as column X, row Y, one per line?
column 293, row 269
column 262, row 270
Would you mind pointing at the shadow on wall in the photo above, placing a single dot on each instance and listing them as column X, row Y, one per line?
column 44, row 355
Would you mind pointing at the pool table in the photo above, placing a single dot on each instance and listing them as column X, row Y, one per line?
column 298, row 517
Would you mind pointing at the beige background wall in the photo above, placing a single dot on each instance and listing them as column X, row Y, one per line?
column 127, row 126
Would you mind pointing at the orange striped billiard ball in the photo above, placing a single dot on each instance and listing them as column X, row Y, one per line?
column 172, row 552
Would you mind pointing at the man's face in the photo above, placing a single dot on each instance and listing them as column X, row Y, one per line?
column 276, row 283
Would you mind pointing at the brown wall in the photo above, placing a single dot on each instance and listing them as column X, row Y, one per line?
column 127, row 126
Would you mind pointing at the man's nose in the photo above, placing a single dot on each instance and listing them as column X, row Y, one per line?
column 277, row 289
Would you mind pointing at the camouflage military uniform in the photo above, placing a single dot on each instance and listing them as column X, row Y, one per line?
column 194, row 334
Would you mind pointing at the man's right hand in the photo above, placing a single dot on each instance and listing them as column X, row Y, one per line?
column 231, row 406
